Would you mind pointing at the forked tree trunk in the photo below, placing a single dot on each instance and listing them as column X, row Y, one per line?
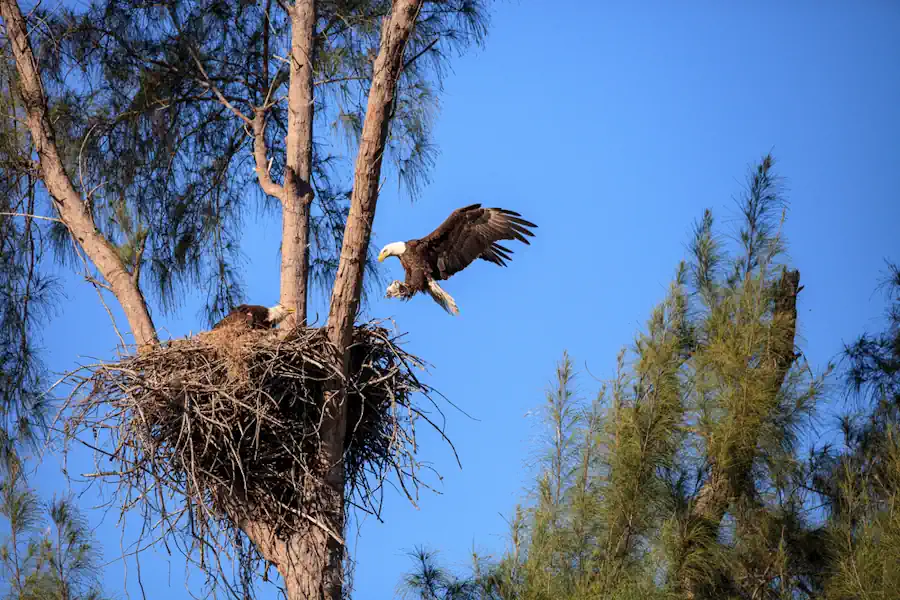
column 297, row 192
column 72, row 209
column 311, row 564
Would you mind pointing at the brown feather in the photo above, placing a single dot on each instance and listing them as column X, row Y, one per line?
column 249, row 315
column 469, row 233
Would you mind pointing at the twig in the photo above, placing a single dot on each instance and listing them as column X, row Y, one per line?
column 423, row 51
column 27, row 216
column 340, row 79
column 222, row 99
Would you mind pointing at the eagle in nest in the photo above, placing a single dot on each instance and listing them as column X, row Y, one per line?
column 469, row 233
column 255, row 316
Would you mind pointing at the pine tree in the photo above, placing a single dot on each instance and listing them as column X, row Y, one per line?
column 135, row 131
column 58, row 562
column 684, row 479
column 860, row 482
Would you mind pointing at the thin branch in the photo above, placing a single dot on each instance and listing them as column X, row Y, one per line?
column 211, row 85
column 339, row 79
column 27, row 216
column 424, row 50
column 259, row 154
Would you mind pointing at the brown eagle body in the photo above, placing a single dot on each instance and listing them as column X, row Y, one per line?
column 469, row 233
column 254, row 316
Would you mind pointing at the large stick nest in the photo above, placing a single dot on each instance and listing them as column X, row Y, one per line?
column 225, row 426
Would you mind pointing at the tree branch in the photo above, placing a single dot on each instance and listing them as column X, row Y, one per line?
column 259, row 155
column 423, row 51
column 340, row 79
column 65, row 198
column 28, row 216
column 298, row 191
column 211, row 85
column 388, row 66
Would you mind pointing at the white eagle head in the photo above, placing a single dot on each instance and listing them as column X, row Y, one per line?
column 278, row 313
column 392, row 249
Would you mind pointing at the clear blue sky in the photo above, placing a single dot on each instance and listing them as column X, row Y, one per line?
column 612, row 125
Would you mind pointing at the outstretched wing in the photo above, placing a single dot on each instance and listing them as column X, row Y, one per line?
column 472, row 232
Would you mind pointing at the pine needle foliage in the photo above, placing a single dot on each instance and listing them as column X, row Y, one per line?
column 49, row 552
column 144, row 99
column 860, row 481
column 27, row 293
column 683, row 477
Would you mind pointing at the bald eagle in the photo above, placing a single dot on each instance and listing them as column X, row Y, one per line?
column 469, row 233
column 255, row 316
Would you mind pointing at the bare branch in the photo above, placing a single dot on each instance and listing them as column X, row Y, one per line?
column 64, row 196
column 424, row 50
column 211, row 85
column 339, row 79
column 259, row 155
column 27, row 216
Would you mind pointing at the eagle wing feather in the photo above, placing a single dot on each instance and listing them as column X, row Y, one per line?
column 472, row 232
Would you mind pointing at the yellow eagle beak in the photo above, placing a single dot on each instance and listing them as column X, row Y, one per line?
column 381, row 257
column 290, row 310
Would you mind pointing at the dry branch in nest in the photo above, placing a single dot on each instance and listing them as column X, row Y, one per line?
column 207, row 432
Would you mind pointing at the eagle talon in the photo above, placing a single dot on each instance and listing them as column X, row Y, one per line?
column 398, row 289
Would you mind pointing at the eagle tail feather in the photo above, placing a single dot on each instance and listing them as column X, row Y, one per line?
column 441, row 297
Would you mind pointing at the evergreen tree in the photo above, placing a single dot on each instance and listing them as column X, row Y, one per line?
column 134, row 133
column 684, row 479
column 860, row 482
column 57, row 562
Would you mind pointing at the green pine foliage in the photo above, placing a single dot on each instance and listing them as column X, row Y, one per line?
column 860, row 481
column 166, row 170
column 689, row 474
column 690, row 469
column 49, row 552
column 27, row 293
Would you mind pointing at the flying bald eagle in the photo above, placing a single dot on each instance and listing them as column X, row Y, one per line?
column 469, row 233
column 255, row 316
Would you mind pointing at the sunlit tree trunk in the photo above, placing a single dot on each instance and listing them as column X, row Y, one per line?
column 72, row 208
column 297, row 193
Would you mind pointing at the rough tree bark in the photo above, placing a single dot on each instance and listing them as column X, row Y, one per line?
column 297, row 190
column 73, row 211
column 311, row 563
column 724, row 481
column 347, row 289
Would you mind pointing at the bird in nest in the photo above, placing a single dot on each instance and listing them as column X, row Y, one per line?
column 469, row 233
column 255, row 316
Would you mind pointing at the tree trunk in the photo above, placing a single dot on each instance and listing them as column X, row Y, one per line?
column 302, row 560
column 297, row 189
column 358, row 231
column 312, row 564
column 724, row 481
column 73, row 211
